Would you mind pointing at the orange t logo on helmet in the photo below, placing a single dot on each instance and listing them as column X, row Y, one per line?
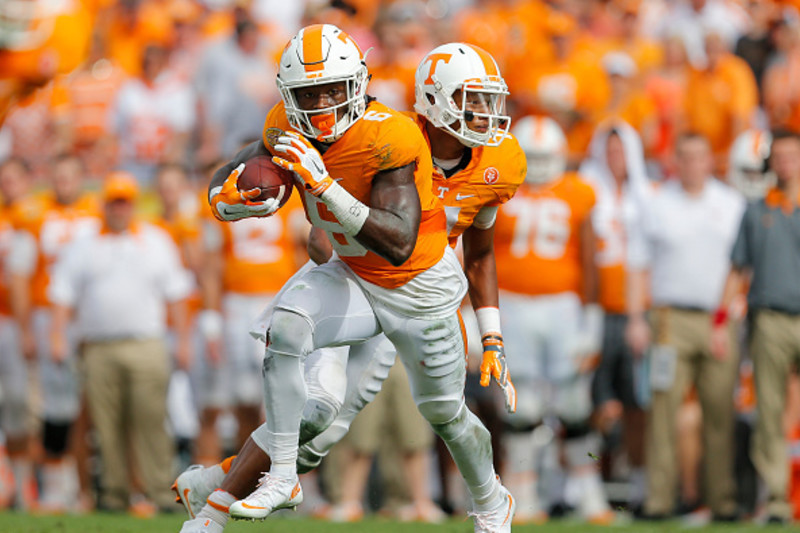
column 435, row 59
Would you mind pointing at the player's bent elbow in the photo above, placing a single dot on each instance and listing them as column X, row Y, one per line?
column 400, row 255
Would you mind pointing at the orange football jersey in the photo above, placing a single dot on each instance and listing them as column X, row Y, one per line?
column 258, row 252
column 611, row 259
column 537, row 237
column 57, row 226
column 490, row 179
column 382, row 139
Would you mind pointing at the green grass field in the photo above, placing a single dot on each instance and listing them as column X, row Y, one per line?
column 105, row 523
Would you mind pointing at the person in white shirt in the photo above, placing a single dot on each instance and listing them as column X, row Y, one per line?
column 684, row 243
column 120, row 282
column 152, row 117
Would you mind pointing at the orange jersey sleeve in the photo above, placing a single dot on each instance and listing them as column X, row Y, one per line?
column 537, row 237
column 491, row 178
column 258, row 252
column 381, row 140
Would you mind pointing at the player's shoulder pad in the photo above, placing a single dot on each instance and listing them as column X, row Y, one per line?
column 275, row 124
column 504, row 167
column 394, row 138
column 581, row 188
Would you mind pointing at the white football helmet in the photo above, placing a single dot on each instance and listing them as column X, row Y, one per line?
column 545, row 147
column 747, row 168
column 472, row 71
column 26, row 24
column 320, row 54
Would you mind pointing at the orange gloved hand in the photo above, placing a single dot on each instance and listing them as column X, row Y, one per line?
column 494, row 366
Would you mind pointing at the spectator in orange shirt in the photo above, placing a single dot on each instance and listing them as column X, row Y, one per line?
column 628, row 102
column 667, row 88
column 723, row 98
column 571, row 88
column 404, row 36
column 88, row 94
column 782, row 77
column 646, row 53
column 130, row 30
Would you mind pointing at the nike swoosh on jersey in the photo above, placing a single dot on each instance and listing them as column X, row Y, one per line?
column 460, row 197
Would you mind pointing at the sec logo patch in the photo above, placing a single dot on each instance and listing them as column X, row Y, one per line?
column 491, row 175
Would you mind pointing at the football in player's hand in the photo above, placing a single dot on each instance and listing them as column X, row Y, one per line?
column 274, row 181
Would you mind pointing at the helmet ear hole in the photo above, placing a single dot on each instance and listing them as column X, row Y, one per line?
column 431, row 99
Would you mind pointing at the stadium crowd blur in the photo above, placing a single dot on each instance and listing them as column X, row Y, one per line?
column 167, row 89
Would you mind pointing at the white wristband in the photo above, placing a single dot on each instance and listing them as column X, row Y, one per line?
column 350, row 212
column 488, row 320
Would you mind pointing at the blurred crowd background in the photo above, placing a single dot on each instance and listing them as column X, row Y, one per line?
column 166, row 90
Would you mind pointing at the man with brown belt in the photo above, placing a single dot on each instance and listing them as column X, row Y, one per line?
column 767, row 250
column 684, row 241
column 121, row 281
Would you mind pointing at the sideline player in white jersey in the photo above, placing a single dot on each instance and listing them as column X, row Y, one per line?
column 393, row 271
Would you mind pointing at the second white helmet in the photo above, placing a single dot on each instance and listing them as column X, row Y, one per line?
column 545, row 147
column 458, row 83
column 320, row 54
column 747, row 169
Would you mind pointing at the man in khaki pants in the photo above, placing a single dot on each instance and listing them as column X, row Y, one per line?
column 684, row 241
column 767, row 250
column 120, row 281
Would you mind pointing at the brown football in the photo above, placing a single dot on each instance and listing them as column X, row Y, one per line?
column 274, row 181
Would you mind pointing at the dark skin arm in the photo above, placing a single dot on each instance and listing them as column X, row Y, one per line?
column 394, row 217
column 395, row 210
column 480, row 267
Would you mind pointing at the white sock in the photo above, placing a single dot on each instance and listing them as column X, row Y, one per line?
column 216, row 507
column 214, row 475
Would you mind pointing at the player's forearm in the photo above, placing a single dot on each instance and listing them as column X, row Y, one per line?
column 733, row 285
column 251, row 150
column 480, row 267
column 636, row 292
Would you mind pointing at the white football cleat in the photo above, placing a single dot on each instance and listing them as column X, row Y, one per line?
column 192, row 489
column 497, row 520
column 273, row 493
column 201, row 525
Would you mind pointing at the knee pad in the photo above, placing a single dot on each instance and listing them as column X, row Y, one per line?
column 530, row 408
column 448, row 418
column 318, row 415
column 289, row 334
column 573, row 402
column 55, row 436
column 307, row 459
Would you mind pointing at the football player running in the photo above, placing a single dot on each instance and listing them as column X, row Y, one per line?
column 365, row 172
column 478, row 166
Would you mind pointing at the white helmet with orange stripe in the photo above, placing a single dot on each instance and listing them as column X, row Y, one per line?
column 459, row 88
column 321, row 54
column 545, row 147
column 747, row 170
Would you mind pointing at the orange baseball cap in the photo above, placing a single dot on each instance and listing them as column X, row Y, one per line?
column 120, row 186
